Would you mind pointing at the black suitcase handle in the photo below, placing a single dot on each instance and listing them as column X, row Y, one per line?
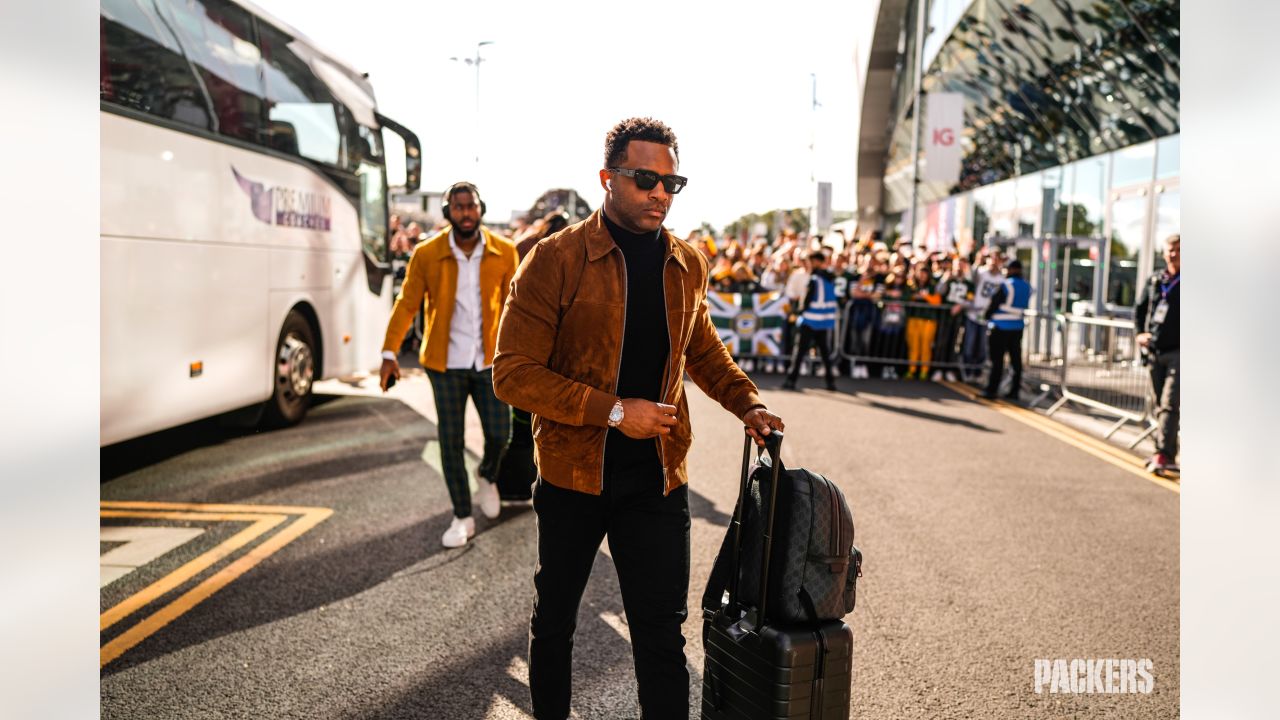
column 773, row 443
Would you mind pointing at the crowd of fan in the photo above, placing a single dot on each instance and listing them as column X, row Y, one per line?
column 905, row 308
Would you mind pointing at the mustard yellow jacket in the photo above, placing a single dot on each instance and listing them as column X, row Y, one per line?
column 431, row 281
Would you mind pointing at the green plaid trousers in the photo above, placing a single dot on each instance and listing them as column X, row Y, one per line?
column 451, row 389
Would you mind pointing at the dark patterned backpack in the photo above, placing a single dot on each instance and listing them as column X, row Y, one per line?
column 814, row 565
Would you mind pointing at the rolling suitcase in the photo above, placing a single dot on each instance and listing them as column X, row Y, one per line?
column 756, row 669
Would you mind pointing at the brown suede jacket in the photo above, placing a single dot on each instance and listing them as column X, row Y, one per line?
column 560, row 348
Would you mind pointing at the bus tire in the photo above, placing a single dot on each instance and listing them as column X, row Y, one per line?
column 293, row 372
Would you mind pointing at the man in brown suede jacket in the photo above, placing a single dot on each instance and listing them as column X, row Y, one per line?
column 603, row 320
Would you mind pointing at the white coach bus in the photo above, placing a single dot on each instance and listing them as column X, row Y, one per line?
column 243, row 216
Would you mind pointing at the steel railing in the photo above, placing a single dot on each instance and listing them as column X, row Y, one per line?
column 1102, row 369
column 1089, row 361
column 893, row 333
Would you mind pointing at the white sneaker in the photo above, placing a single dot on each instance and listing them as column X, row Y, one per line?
column 459, row 531
column 487, row 497
column 937, row 376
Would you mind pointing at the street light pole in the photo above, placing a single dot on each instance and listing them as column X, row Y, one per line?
column 916, row 111
column 475, row 61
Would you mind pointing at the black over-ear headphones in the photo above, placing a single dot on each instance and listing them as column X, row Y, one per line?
column 456, row 187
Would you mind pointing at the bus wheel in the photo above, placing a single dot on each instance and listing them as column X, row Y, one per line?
column 294, row 372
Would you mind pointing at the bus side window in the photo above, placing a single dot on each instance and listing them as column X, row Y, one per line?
column 300, row 109
column 142, row 66
column 218, row 38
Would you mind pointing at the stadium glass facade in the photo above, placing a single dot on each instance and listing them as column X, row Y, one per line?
column 1071, row 131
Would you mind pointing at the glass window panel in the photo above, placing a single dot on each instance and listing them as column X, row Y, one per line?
column 142, row 66
column 1078, row 273
column 1167, row 156
column 373, row 209
column 218, row 38
column 1050, row 81
column 1029, row 196
column 1030, row 190
column 1056, row 182
column 964, row 222
column 1133, row 165
column 1002, row 225
column 1168, row 222
column 1160, row 19
column 1088, row 196
column 1128, row 227
column 300, row 108
column 1026, row 219
column 981, row 214
column 1005, row 196
column 371, row 141
column 1141, row 75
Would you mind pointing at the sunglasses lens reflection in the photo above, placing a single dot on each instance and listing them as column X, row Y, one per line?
column 646, row 179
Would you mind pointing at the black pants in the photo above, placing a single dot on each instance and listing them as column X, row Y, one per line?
column 999, row 343
column 649, row 540
column 1167, row 382
column 809, row 338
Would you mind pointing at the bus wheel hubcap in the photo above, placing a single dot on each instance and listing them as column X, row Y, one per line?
column 295, row 368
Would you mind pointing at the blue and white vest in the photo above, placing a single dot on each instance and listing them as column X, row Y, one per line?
column 821, row 312
column 1017, row 298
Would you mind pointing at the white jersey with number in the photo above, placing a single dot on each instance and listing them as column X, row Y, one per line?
column 985, row 286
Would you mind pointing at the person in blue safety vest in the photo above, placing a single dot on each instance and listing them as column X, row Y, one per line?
column 817, row 321
column 1005, row 321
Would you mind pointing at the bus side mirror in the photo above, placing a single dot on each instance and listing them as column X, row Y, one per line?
column 412, row 153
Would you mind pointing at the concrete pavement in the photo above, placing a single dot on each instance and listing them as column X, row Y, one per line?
column 989, row 543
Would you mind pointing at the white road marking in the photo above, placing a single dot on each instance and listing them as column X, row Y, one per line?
column 141, row 546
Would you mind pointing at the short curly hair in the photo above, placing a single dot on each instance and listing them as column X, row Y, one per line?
column 637, row 128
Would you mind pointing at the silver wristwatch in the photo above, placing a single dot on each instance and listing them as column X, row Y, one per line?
column 615, row 415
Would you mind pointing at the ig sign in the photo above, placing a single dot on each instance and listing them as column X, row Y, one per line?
column 945, row 113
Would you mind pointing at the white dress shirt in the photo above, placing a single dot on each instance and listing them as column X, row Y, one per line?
column 466, row 337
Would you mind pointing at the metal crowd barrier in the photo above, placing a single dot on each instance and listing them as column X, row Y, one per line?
column 1084, row 360
column 1101, row 369
column 1042, row 353
column 898, row 335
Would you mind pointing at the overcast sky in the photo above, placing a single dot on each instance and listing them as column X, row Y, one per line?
column 732, row 80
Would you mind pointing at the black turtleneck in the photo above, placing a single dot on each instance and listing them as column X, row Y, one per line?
column 645, row 344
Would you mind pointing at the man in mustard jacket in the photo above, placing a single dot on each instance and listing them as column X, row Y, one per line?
column 604, row 320
column 460, row 278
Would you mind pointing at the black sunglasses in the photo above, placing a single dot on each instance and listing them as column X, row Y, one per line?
column 646, row 179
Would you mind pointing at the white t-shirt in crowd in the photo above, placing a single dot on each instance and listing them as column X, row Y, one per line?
column 798, row 284
column 984, row 287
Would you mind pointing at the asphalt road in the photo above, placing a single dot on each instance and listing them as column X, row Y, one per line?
column 988, row 544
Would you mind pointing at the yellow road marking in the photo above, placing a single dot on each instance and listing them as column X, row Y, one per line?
column 1098, row 448
column 142, row 598
column 310, row 517
column 210, row 508
column 1043, row 421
